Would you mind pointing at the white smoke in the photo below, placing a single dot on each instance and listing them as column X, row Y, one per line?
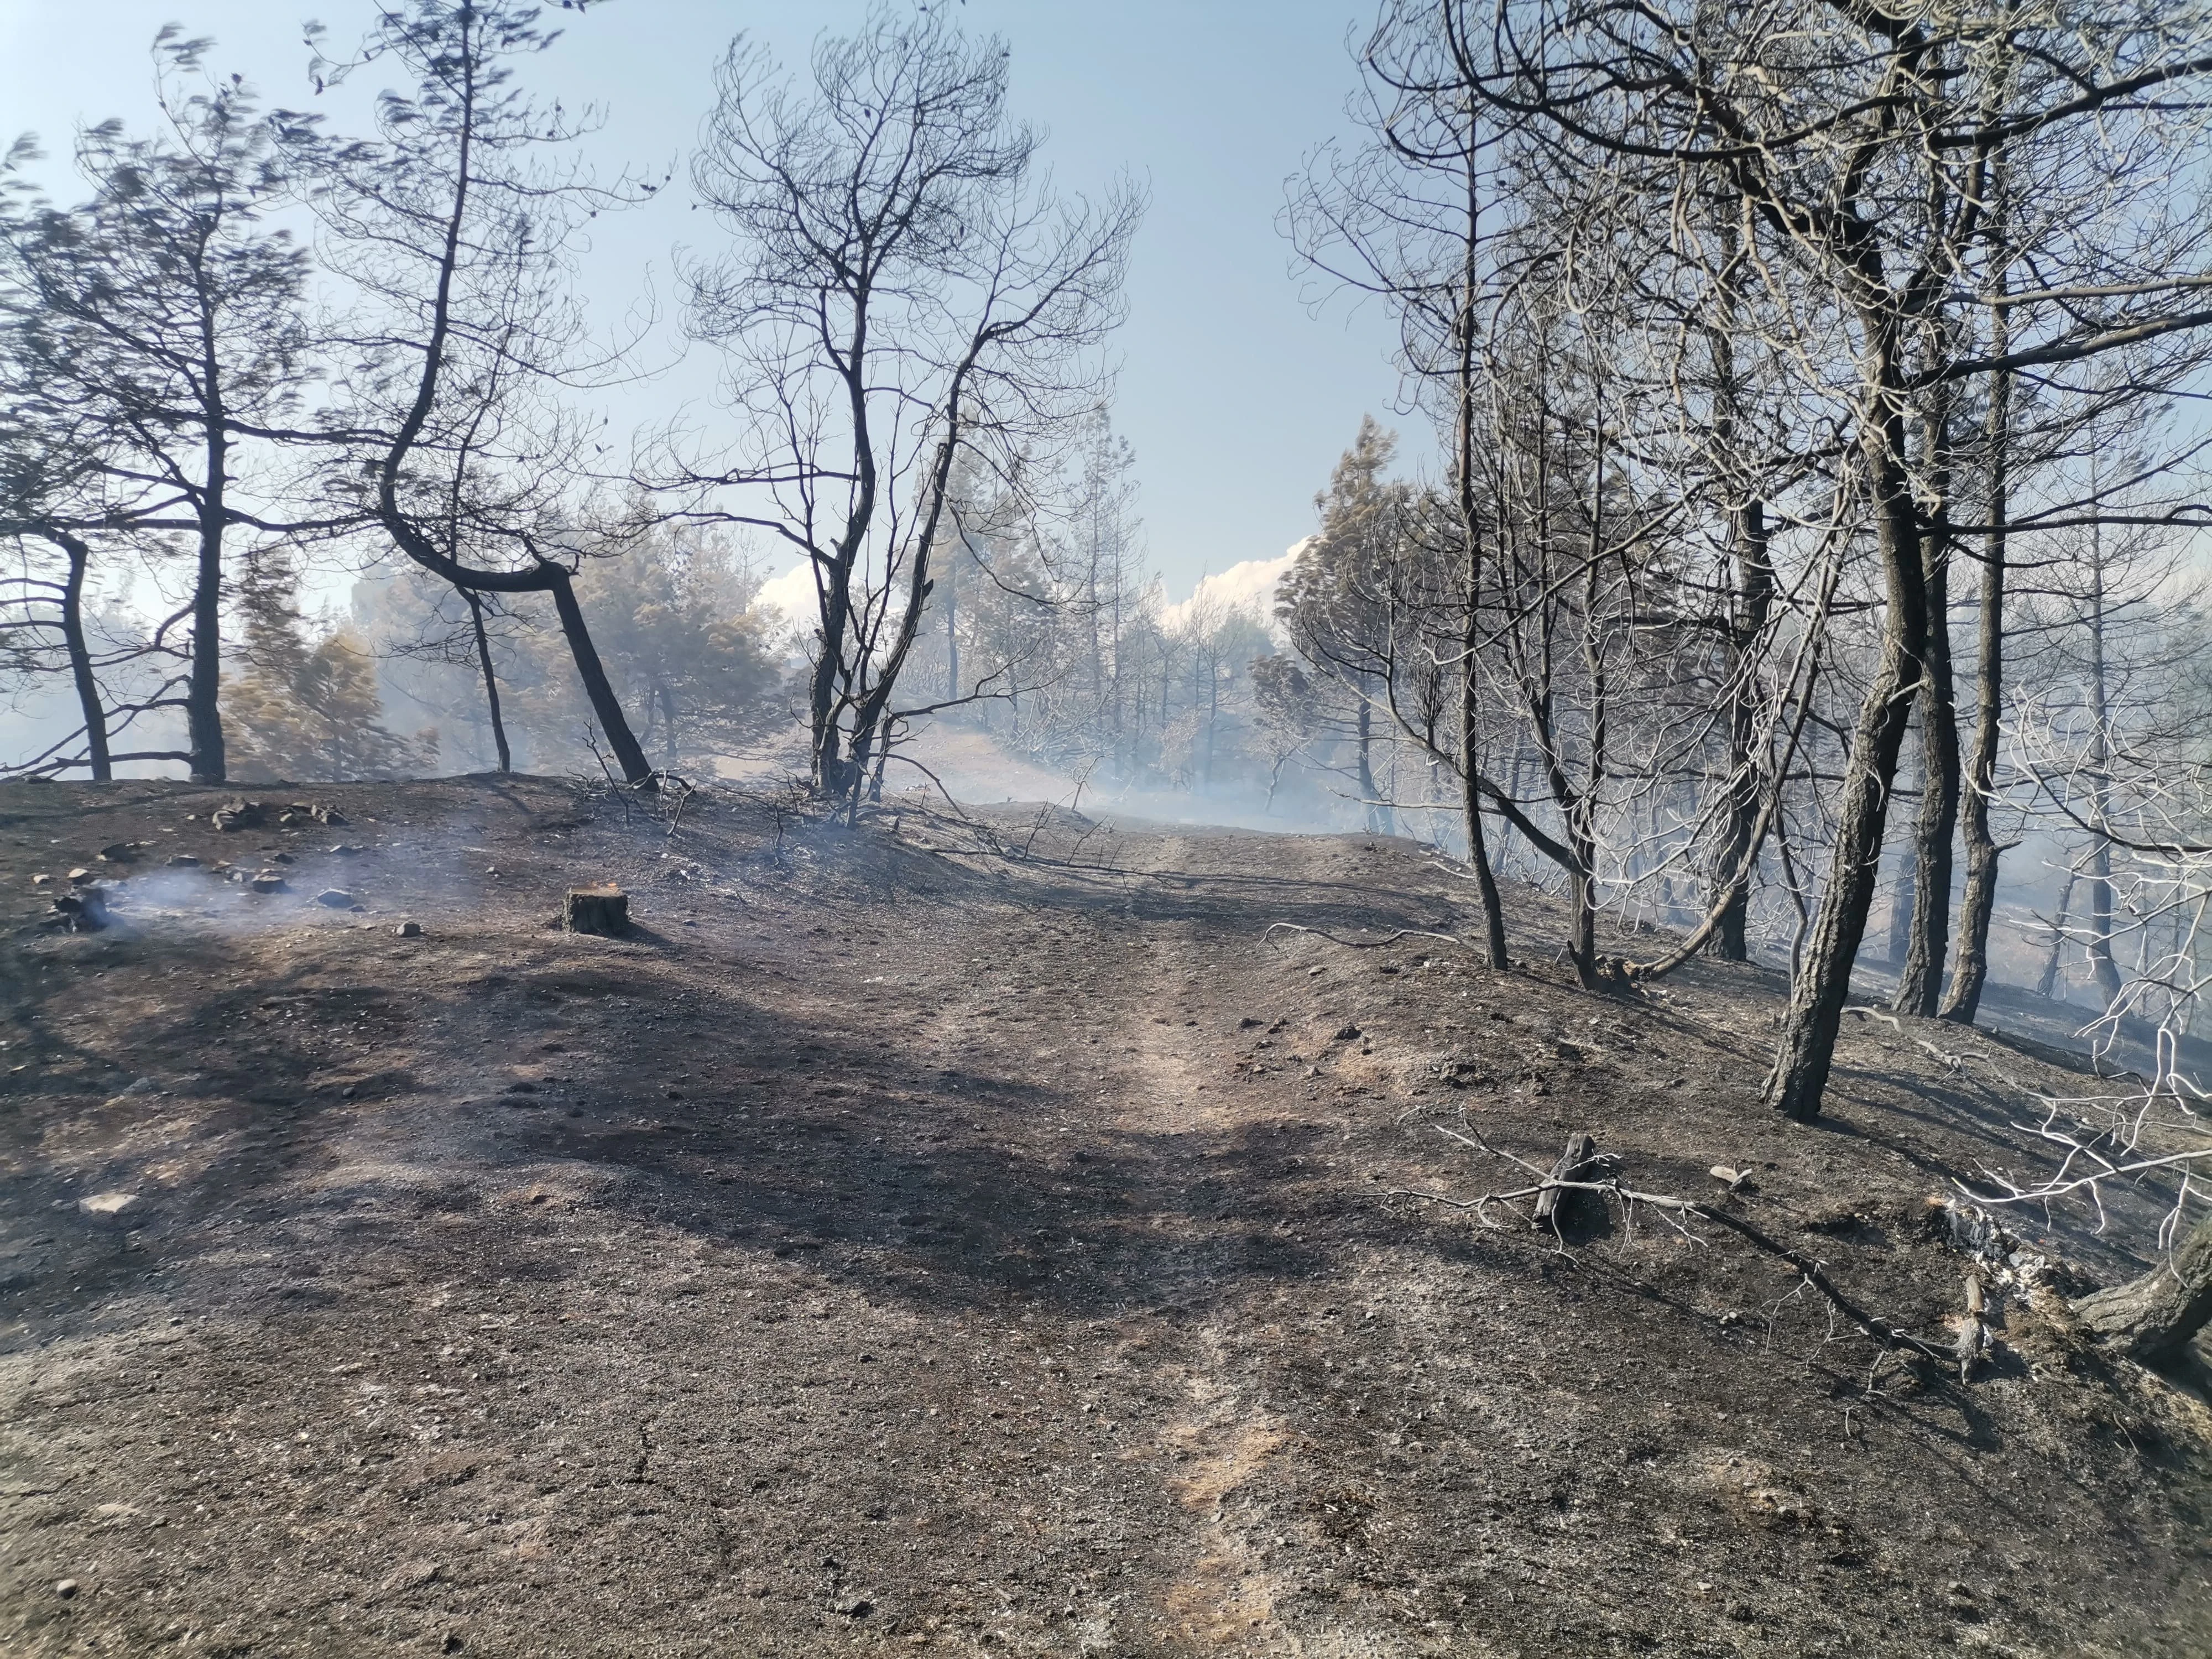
column 1248, row 586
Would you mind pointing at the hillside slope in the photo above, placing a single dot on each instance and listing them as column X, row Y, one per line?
column 986, row 1235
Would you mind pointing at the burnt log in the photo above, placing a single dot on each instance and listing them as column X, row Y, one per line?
column 239, row 815
column 604, row 909
column 2152, row 1318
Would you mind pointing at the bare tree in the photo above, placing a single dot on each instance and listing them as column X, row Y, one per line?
column 454, row 237
column 1861, row 142
column 1407, row 218
column 166, row 313
column 904, row 295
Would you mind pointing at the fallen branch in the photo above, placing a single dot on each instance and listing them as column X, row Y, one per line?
column 1889, row 1336
column 1361, row 944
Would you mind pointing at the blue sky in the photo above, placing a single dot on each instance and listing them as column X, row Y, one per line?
column 1237, row 399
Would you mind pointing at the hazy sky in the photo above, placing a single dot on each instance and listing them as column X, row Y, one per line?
column 1237, row 399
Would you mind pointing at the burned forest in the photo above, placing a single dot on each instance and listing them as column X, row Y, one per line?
column 1396, row 848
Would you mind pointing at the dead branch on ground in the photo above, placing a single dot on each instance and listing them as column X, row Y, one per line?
column 1888, row 1335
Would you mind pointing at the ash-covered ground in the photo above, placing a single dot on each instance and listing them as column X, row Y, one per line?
column 985, row 1236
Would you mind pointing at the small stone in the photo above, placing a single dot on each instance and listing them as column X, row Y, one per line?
column 184, row 861
column 40, row 880
column 409, row 930
column 107, row 1204
column 522, row 1088
column 1347, row 1033
column 268, row 881
column 858, row 1607
column 81, row 877
column 346, row 849
column 66, row 1589
column 121, row 852
column 335, row 898
column 284, row 858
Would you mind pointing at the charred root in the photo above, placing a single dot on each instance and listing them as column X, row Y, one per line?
column 2152, row 1319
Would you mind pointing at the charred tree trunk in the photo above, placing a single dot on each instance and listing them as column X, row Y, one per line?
column 89, row 702
column 601, row 691
column 2099, row 949
column 1753, row 602
column 1369, row 796
column 1470, row 760
column 204, row 690
column 952, row 624
column 1920, row 979
column 1903, row 893
column 1970, row 965
column 1819, row 989
column 2153, row 1318
column 2047, row 983
column 668, row 723
column 1470, row 519
column 2099, row 946
column 490, row 680
column 1581, row 810
column 1755, row 597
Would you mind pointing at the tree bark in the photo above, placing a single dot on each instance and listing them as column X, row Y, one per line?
column 1823, row 984
column 2153, row 1318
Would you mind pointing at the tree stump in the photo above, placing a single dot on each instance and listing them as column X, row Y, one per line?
column 602, row 909
column 1551, row 1208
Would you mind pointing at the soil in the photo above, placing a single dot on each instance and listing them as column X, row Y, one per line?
column 987, row 1236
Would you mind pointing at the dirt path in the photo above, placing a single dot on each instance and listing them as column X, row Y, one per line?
column 897, row 1246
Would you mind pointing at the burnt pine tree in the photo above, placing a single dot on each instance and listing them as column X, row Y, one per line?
column 904, row 303
column 453, row 234
column 164, row 311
